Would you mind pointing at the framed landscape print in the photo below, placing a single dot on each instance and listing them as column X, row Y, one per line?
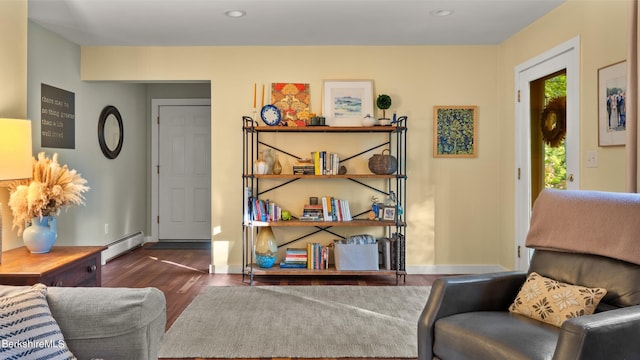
column 455, row 130
column 612, row 113
column 347, row 102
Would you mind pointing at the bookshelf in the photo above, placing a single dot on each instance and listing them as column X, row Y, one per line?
column 392, row 138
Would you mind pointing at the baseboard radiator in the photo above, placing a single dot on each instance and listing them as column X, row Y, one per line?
column 123, row 245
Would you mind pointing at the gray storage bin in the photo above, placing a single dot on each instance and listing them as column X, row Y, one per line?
column 356, row 256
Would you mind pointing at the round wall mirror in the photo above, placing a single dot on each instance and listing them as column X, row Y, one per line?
column 110, row 132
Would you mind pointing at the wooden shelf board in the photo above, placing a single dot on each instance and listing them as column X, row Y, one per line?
column 346, row 176
column 299, row 223
column 276, row 270
column 382, row 129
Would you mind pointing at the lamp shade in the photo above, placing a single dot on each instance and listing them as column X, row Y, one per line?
column 15, row 149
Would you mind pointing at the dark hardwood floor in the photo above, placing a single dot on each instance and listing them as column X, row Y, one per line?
column 183, row 273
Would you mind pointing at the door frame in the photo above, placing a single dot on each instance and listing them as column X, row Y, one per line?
column 153, row 172
column 564, row 56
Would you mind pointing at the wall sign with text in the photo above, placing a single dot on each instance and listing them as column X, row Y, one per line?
column 57, row 118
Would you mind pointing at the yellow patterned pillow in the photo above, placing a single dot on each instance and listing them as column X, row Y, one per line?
column 554, row 302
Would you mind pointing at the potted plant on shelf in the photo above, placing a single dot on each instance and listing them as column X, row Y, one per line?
column 383, row 102
column 37, row 201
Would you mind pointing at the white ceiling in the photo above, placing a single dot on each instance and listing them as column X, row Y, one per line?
column 286, row 22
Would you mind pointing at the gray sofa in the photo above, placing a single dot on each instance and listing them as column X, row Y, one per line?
column 108, row 323
column 584, row 238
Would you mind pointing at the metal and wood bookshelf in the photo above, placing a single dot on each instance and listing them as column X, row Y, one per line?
column 392, row 137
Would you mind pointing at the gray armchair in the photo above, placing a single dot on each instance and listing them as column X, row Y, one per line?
column 584, row 238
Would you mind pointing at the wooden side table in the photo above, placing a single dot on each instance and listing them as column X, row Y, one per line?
column 62, row 266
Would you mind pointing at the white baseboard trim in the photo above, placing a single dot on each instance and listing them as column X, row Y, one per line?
column 411, row 269
column 122, row 245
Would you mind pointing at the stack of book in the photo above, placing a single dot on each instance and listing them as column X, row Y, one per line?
column 303, row 167
column 294, row 259
column 312, row 213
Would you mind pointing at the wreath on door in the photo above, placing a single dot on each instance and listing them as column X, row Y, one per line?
column 554, row 121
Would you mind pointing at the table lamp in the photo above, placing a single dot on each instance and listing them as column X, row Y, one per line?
column 15, row 155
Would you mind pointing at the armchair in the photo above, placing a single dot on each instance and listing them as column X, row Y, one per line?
column 584, row 238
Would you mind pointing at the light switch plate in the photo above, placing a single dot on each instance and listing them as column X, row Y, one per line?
column 592, row 158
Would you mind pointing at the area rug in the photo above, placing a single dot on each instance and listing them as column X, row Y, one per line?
column 298, row 321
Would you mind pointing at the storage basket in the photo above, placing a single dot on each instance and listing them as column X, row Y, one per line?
column 381, row 164
column 358, row 252
column 356, row 256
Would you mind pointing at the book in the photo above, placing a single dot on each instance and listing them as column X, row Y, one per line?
column 326, row 209
column 316, row 162
column 286, row 265
column 384, row 249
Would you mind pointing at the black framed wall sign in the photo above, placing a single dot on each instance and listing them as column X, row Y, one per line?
column 57, row 118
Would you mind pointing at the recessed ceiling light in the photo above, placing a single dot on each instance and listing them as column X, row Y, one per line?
column 441, row 12
column 235, row 13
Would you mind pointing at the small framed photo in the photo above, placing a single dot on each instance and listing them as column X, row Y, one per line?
column 612, row 110
column 455, row 131
column 347, row 102
column 389, row 213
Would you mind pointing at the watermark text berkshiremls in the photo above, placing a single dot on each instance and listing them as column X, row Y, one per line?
column 31, row 344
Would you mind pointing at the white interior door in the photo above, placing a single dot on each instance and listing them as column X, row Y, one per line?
column 184, row 182
column 564, row 56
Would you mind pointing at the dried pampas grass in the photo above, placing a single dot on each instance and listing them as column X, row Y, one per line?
column 53, row 186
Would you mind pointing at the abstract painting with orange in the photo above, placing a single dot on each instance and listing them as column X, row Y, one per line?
column 292, row 100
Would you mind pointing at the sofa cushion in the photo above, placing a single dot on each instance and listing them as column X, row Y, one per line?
column 493, row 335
column 620, row 278
column 553, row 302
column 27, row 328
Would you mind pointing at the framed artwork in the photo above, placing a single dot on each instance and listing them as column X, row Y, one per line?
column 389, row 213
column 292, row 100
column 347, row 102
column 455, row 131
column 612, row 113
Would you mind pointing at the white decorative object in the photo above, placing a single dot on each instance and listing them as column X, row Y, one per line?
column 368, row 120
column 260, row 166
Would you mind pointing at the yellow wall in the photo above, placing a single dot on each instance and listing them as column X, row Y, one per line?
column 460, row 211
column 13, row 73
column 601, row 26
column 462, row 192
column 13, row 58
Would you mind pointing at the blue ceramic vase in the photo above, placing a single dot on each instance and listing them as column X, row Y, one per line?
column 40, row 236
